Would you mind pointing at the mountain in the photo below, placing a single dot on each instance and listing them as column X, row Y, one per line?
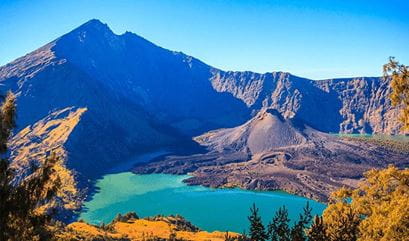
column 266, row 131
column 270, row 152
column 141, row 97
column 353, row 105
column 29, row 147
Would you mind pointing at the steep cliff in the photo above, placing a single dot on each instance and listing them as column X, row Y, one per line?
column 141, row 97
column 356, row 105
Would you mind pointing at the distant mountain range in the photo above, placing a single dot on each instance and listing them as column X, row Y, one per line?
column 140, row 97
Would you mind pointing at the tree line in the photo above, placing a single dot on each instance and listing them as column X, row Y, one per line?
column 377, row 210
column 279, row 228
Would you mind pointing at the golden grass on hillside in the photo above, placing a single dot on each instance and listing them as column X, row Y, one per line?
column 35, row 142
column 141, row 229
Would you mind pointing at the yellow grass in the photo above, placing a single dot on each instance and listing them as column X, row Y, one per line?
column 48, row 135
column 140, row 229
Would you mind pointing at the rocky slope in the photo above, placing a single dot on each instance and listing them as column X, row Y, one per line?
column 271, row 153
column 140, row 96
column 355, row 105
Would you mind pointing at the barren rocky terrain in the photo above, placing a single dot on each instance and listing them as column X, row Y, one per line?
column 141, row 97
column 271, row 153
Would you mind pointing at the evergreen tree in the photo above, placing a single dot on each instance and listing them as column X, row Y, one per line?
column 26, row 205
column 227, row 237
column 278, row 229
column 243, row 237
column 317, row 231
column 298, row 230
column 257, row 230
column 7, row 123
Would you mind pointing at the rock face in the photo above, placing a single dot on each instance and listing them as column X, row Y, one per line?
column 356, row 105
column 271, row 153
column 140, row 97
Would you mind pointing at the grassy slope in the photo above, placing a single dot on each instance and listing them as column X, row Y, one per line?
column 141, row 229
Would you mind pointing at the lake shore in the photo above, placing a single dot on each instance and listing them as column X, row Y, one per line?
column 208, row 208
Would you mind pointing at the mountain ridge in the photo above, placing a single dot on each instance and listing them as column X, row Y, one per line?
column 270, row 152
column 270, row 89
column 141, row 96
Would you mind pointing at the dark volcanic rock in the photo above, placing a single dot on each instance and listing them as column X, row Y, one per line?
column 141, row 97
column 271, row 153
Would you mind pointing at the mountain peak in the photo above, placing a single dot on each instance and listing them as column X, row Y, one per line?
column 273, row 112
column 94, row 24
column 89, row 39
column 93, row 27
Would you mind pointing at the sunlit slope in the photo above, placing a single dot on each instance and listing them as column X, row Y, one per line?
column 48, row 136
column 142, row 97
column 142, row 229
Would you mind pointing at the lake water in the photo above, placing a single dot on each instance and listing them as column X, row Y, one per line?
column 209, row 209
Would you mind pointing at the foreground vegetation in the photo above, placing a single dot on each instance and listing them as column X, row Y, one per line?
column 377, row 210
column 130, row 227
column 399, row 75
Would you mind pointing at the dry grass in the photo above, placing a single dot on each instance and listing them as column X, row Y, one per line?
column 35, row 142
column 140, row 229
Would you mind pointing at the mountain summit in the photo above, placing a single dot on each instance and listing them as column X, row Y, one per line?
column 269, row 152
column 139, row 96
column 142, row 97
column 264, row 132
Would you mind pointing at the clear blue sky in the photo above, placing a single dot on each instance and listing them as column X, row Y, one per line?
column 311, row 38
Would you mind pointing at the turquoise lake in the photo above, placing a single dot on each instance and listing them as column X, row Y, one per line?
column 209, row 209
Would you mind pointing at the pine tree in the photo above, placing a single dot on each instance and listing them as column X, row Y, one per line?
column 317, row 231
column 27, row 205
column 257, row 230
column 7, row 123
column 278, row 229
column 243, row 237
column 227, row 237
column 298, row 230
